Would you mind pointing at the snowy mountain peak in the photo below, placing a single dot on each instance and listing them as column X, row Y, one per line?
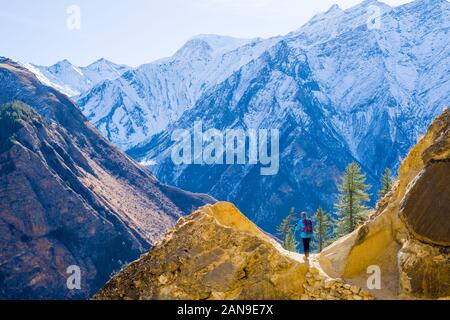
column 62, row 66
column 329, row 25
column 194, row 48
column 369, row 2
column 222, row 43
column 365, row 9
column 103, row 69
column 102, row 62
column 73, row 80
column 334, row 8
column 64, row 62
column 209, row 44
column 144, row 102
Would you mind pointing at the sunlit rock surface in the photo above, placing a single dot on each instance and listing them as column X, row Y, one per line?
column 408, row 235
column 217, row 253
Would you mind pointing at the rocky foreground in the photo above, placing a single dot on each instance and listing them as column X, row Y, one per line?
column 217, row 253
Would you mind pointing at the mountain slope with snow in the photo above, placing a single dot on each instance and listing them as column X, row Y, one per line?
column 338, row 90
column 72, row 80
column 386, row 84
column 144, row 101
column 359, row 84
column 275, row 91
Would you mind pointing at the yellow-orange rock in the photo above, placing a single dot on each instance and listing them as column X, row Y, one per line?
column 408, row 235
column 217, row 253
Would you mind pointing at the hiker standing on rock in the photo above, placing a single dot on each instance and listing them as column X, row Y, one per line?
column 305, row 227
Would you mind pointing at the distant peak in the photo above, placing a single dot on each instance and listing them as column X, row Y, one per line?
column 194, row 47
column 63, row 62
column 367, row 2
column 5, row 60
column 101, row 61
column 213, row 43
column 333, row 8
column 207, row 36
column 216, row 38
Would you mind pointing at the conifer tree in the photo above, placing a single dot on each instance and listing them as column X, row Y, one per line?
column 351, row 208
column 386, row 183
column 286, row 231
column 290, row 243
column 323, row 233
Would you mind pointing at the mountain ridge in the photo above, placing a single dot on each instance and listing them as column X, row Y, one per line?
column 379, row 87
column 68, row 197
column 74, row 80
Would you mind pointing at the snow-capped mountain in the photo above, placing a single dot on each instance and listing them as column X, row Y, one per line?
column 73, row 80
column 359, row 84
column 144, row 101
column 386, row 84
column 275, row 91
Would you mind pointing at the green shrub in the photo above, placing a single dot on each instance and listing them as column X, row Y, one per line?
column 13, row 117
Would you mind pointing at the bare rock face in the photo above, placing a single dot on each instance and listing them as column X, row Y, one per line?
column 217, row 253
column 68, row 197
column 426, row 216
column 408, row 235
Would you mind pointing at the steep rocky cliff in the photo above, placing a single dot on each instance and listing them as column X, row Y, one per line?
column 408, row 236
column 217, row 253
column 68, row 197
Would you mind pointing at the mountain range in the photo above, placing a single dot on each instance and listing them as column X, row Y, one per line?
column 68, row 197
column 361, row 84
column 73, row 80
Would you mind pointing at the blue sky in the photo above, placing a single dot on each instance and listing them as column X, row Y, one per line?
column 138, row 31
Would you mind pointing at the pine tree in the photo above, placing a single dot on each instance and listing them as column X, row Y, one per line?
column 283, row 228
column 323, row 230
column 352, row 209
column 386, row 183
column 290, row 243
column 286, row 231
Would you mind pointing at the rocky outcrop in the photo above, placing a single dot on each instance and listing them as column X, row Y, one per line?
column 217, row 253
column 408, row 235
column 68, row 197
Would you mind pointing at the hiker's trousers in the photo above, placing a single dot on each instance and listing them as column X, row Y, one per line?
column 306, row 246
